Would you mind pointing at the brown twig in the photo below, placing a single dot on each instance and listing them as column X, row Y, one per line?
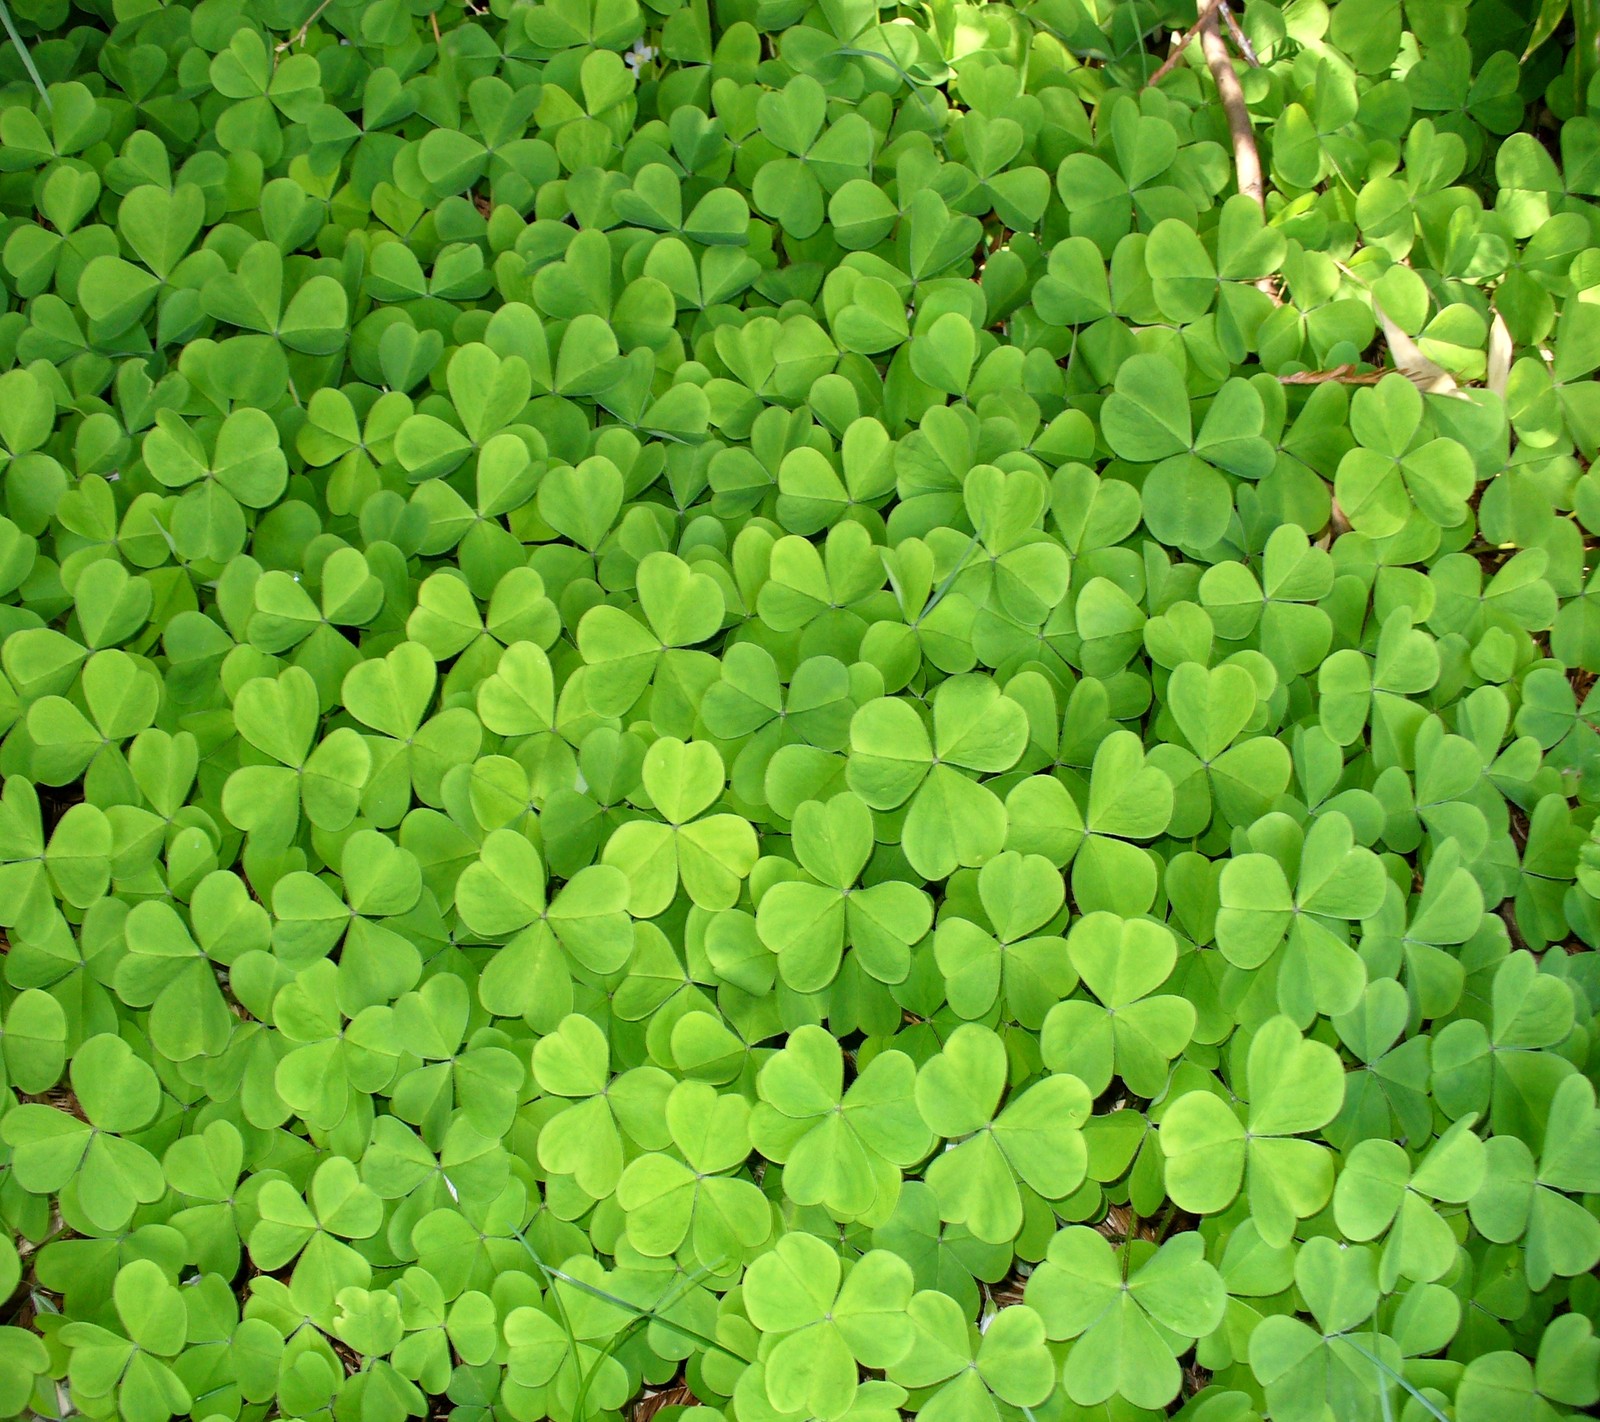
column 1246, row 159
column 1208, row 9
column 299, row 36
column 1241, row 40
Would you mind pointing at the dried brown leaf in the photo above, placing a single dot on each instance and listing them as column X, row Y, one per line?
column 1500, row 353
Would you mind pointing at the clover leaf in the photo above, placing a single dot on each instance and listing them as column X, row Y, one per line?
column 843, row 1148
column 52, row 1150
column 1122, row 1317
column 1134, row 1034
column 1034, row 1140
column 1007, row 1361
column 666, row 1198
column 1019, row 894
column 808, row 924
column 1293, row 1086
column 824, row 1323
column 799, row 709
column 709, row 854
column 952, row 819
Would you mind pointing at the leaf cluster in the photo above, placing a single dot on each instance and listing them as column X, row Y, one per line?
column 753, row 711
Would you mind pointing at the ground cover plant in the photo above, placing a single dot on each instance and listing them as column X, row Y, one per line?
column 798, row 709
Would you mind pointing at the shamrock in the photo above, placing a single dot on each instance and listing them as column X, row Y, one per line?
column 1279, row 606
column 1378, row 1190
column 431, row 1328
column 1521, row 1195
column 73, row 865
column 1137, row 1034
column 312, row 1231
column 944, row 1257
column 825, row 594
column 476, row 1084
column 1008, row 1360
column 807, row 924
column 1499, row 1066
column 556, row 1349
column 1129, row 799
column 667, row 1199
column 1036, row 1139
column 297, row 773
column 166, row 971
column 585, row 1138
column 1018, row 894
column 681, row 608
column 1186, row 495
column 1239, row 778
column 412, row 751
column 792, row 189
column 1293, row 1086
column 751, row 704
column 1395, row 467
column 241, row 467
column 1330, row 1365
column 823, row 1326
column 1386, row 1096
column 952, row 820
column 1123, row 1315
column 1336, row 881
column 134, row 1369
column 325, row 1067
column 110, row 1175
column 206, row 1168
column 122, row 700
column 710, row 854
column 840, row 1147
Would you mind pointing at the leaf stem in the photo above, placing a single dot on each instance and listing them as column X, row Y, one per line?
column 1167, row 1216
column 850, row 51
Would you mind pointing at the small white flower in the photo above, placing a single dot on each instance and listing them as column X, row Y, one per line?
column 640, row 55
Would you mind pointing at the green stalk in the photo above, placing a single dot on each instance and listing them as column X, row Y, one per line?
column 1586, row 59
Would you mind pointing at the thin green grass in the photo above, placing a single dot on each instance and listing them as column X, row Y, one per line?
column 22, row 49
column 641, row 1316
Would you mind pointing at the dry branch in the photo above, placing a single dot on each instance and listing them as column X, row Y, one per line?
column 1208, row 9
column 1246, row 158
column 1241, row 40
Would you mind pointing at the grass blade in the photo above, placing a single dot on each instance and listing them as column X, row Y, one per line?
column 22, row 49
